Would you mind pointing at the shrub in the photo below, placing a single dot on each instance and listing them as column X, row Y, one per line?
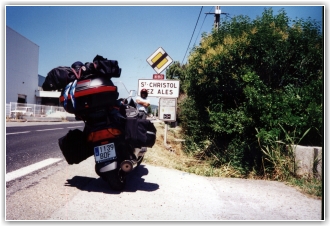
column 252, row 75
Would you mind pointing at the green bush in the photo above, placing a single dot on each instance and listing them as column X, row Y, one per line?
column 251, row 76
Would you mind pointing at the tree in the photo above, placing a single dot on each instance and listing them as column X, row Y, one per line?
column 252, row 74
column 177, row 71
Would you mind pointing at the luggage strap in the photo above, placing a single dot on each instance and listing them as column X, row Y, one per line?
column 77, row 75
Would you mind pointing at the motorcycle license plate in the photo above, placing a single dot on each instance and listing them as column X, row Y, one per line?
column 104, row 152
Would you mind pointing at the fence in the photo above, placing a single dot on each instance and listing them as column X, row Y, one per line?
column 36, row 110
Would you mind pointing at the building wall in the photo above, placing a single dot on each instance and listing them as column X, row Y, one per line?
column 22, row 57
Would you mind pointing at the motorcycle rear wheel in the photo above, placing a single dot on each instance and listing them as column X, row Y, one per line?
column 116, row 179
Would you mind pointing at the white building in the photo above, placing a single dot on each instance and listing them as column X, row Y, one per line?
column 22, row 57
column 22, row 79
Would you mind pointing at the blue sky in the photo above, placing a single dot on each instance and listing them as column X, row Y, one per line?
column 128, row 34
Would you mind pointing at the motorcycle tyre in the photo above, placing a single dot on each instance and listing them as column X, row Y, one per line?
column 116, row 181
column 97, row 172
column 115, row 178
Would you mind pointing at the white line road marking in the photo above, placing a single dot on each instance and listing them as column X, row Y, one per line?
column 73, row 127
column 29, row 169
column 17, row 132
column 48, row 129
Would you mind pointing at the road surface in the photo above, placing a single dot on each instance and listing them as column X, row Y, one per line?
column 74, row 192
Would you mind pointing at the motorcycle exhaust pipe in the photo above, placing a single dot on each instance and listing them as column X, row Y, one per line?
column 127, row 165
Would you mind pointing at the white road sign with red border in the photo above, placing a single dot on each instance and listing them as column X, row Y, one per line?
column 160, row 88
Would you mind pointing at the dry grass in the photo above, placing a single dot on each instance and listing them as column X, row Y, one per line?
column 175, row 158
column 198, row 164
column 161, row 156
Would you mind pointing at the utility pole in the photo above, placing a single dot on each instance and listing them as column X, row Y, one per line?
column 217, row 13
column 217, row 17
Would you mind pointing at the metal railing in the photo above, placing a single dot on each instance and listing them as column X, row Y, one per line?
column 36, row 110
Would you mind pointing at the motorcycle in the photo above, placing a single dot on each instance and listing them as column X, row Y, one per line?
column 109, row 122
column 114, row 157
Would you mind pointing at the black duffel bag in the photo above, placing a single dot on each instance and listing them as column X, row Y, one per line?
column 106, row 68
column 74, row 147
column 140, row 132
column 58, row 78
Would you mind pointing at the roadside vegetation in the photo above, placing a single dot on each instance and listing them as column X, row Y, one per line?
column 250, row 90
column 202, row 164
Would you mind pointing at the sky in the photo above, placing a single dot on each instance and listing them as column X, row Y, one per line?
column 126, row 33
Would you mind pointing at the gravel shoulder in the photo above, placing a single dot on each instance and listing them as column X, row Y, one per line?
column 157, row 194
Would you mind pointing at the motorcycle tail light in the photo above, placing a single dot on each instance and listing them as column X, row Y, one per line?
column 114, row 131
column 103, row 134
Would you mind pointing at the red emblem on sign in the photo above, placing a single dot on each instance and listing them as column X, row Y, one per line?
column 158, row 76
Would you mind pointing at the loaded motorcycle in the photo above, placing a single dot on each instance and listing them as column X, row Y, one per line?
column 113, row 133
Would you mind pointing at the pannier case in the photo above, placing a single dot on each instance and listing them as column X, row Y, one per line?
column 90, row 94
column 74, row 147
column 140, row 132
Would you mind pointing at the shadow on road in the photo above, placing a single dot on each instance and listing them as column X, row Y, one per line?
column 134, row 182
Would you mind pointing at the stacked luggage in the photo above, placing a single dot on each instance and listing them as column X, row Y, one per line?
column 85, row 87
column 88, row 92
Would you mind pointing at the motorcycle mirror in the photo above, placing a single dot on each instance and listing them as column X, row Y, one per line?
column 132, row 93
column 132, row 103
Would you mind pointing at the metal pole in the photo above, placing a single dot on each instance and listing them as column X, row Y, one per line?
column 165, row 134
column 165, row 137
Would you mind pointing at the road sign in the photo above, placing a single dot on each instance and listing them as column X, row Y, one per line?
column 160, row 88
column 158, row 76
column 167, row 109
column 159, row 60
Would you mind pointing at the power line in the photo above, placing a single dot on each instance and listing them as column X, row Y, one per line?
column 202, row 26
column 192, row 36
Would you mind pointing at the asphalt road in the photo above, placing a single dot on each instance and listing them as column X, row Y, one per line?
column 28, row 143
column 63, row 192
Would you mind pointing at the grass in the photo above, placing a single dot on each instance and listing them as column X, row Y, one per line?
column 309, row 186
column 175, row 158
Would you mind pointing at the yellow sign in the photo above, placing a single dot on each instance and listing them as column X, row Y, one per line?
column 161, row 63
column 159, row 60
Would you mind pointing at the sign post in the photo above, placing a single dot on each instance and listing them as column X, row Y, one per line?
column 167, row 113
column 168, row 90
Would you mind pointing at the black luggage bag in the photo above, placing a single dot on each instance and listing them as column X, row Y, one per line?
column 140, row 132
column 106, row 68
column 58, row 78
column 74, row 147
